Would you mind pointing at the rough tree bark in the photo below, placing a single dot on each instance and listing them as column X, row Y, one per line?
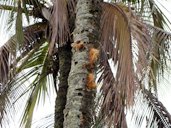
column 64, row 68
column 79, row 108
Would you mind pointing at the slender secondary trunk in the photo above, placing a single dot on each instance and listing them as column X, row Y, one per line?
column 79, row 108
column 64, row 68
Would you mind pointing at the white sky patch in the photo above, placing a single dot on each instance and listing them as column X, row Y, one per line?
column 3, row 29
column 164, row 87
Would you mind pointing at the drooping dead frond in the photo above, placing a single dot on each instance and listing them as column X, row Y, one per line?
column 149, row 111
column 59, row 24
column 116, row 42
column 112, row 109
column 71, row 4
column 161, row 115
column 158, row 61
column 156, row 21
column 127, row 41
column 7, row 60
column 160, row 54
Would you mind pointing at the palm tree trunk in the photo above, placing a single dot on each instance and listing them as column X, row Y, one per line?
column 79, row 108
column 64, row 68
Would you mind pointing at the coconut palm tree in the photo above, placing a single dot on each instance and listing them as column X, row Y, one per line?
column 101, row 58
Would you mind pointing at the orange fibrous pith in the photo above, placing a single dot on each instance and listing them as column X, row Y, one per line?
column 79, row 45
column 93, row 56
column 91, row 81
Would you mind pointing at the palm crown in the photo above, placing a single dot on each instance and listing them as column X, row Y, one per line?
column 134, row 53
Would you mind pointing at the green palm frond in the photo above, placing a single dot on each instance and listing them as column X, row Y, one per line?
column 14, row 64
column 3, row 104
column 42, row 66
column 37, row 70
column 9, row 50
column 19, row 25
column 38, row 85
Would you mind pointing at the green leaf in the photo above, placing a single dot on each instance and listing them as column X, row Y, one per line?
column 19, row 28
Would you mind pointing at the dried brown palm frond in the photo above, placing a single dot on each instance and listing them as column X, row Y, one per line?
column 142, row 36
column 7, row 60
column 62, row 12
column 151, row 13
column 161, row 115
column 156, row 21
column 149, row 111
column 160, row 54
column 160, row 39
column 125, row 40
column 109, row 96
column 116, row 42
column 142, row 45
column 59, row 24
column 71, row 4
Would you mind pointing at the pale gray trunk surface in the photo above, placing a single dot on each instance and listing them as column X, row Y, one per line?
column 79, row 108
